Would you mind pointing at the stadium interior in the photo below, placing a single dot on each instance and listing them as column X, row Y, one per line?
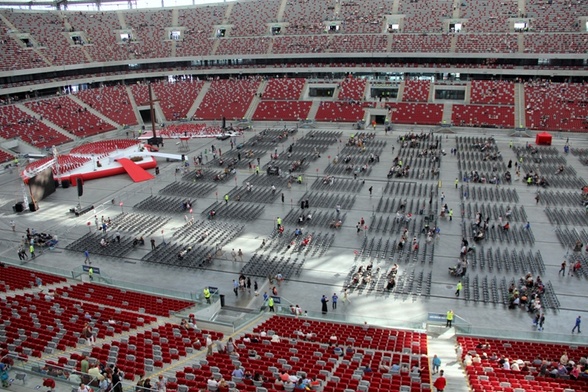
column 408, row 160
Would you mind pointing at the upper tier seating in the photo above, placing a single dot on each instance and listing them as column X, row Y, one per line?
column 483, row 115
column 70, row 116
column 416, row 90
column 555, row 15
column 488, row 16
column 16, row 123
column 149, row 35
column 110, row 296
column 100, row 29
column 340, row 111
column 15, row 56
column 306, row 17
column 284, row 88
column 229, row 98
column 364, row 17
column 113, row 102
column 492, row 92
column 488, row 375
column 246, row 17
column 487, row 43
column 282, row 110
column 425, row 18
column 416, row 113
column 259, row 45
column 555, row 43
column 553, row 106
column 410, row 43
column 14, row 278
column 49, row 30
column 358, row 43
column 199, row 22
column 177, row 98
column 352, row 88
column 300, row 44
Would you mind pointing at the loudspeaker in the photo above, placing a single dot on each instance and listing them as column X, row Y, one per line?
column 65, row 183
column 18, row 207
column 80, row 187
column 33, row 207
column 224, row 123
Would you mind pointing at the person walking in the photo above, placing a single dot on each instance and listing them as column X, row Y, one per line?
column 324, row 301
column 227, row 198
column 91, row 274
column 436, row 363
column 240, row 254
column 87, row 255
column 458, row 288
column 334, row 299
column 449, row 319
column 541, row 322
column 456, row 182
column 440, row 382
column 577, row 325
column 208, row 345
column 234, row 255
column 153, row 244
column 346, row 297
column 442, row 197
column 371, row 189
column 32, row 251
column 236, row 288
column 206, row 293
column 562, row 269
column 279, row 222
column 270, row 304
column 451, row 214
column 282, row 197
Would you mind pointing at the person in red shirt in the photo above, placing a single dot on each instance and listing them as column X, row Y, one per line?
column 440, row 382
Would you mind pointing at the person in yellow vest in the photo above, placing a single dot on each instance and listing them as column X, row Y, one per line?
column 91, row 273
column 458, row 288
column 300, row 179
column 270, row 304
column 279, row 222
column 227, row 198
column 206, row 292
column 456, row 182
column 449, row 318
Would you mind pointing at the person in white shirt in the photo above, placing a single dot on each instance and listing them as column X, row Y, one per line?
column 212, row 382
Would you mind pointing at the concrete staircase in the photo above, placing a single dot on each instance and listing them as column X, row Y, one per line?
column 46, row 122
column 444, row 346
column 256, row 100
column 313, row 110
column 94, row 111
column 134, row 106
column 447, row 111
column 198, row 100
column 519, row 108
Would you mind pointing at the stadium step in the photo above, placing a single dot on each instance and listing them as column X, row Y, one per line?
column 444, row 346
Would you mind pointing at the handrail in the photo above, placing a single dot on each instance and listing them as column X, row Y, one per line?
column 36, row 367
